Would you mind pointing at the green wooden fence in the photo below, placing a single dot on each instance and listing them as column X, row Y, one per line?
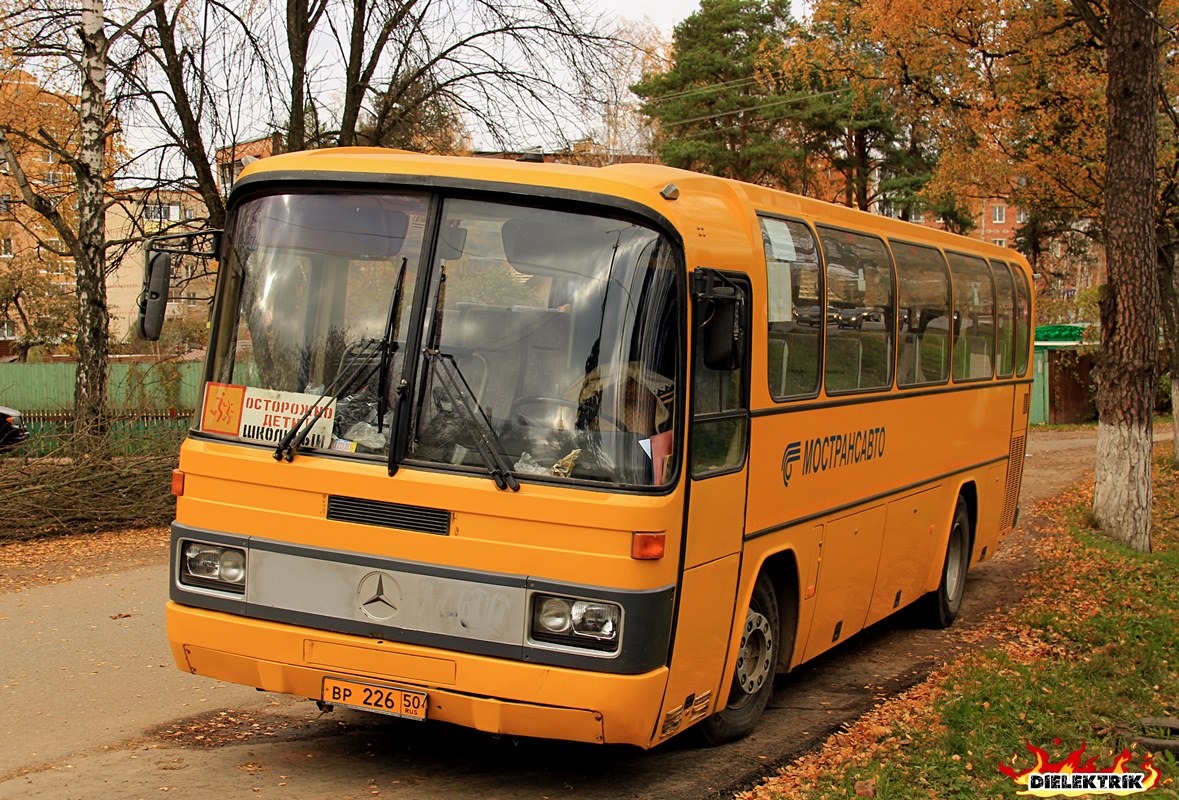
column 140, row 388
column 151, row 404
column 145, row 433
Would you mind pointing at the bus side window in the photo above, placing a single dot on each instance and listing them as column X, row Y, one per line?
column 1005, row 318
column 861, row 310
column 974, row 318
column 795, row 303
column 923, row 291
column 1023, row 321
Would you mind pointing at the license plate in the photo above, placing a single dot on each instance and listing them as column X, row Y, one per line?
column 375, row 697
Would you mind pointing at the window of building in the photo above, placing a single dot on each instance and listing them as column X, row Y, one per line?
column 917, row 218
column 999, row 214
column 1021, row 217
column 999, row 242
column 5, row 204
column 6, row 248
column 859, row 312
column 161, row 212
column 795, row 280
column 52, row 179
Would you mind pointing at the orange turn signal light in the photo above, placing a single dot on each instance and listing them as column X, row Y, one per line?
column 648, row 546
column 177, row 483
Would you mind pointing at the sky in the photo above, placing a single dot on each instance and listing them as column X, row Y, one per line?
column 664, row 13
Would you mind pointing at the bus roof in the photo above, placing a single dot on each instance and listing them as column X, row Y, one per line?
column 696, row 206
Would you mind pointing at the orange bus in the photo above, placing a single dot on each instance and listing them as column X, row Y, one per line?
column 588, row 454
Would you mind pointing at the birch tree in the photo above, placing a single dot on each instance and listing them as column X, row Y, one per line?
column 66, row 46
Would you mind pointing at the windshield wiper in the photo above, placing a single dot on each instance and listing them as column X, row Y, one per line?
column 298, row 433
column 392, row 325
column 450, row 378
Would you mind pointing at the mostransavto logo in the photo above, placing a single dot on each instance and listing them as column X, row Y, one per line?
column 1073, row 777
column 832, row 452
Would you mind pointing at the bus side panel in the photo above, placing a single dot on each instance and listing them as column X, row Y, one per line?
column 851, row 552
column 990, row 510
column 805, row 543
column 913, row 534
column 701, row 646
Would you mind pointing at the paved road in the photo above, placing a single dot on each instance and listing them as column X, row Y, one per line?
column 93, row 707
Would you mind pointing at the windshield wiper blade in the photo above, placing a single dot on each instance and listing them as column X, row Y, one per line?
column 458, row 392
column 392, row 325
column 298, row 433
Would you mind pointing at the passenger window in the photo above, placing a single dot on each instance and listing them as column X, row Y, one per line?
column 1023, row 321
column 923, row 315
column 795, row 307
column 974, row 318
column 1004, row 318
column 859, row 313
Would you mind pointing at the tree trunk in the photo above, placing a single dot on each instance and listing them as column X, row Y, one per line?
column 354, row 89
column 1122, row 495
column 298, row 41
column 89, row 252
column 194, row 144
column 861, row 169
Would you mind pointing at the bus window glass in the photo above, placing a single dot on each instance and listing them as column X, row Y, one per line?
column 719, row 416
column 305, row 303
column 1023, row 321
column 923, row 315
column 566, row 328
column 795, row 307
column 1005, row 318
column 974, row 318
column 860, row 309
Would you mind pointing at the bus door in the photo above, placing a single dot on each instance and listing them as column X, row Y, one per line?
column 715, row 520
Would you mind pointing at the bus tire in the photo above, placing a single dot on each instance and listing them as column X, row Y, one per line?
column 753, row 676
column 944, row 604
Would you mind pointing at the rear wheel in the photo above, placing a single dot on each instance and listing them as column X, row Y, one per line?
column 944, row 604
column 753, row 677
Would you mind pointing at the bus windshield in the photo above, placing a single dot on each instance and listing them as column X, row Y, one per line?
column 549, row 345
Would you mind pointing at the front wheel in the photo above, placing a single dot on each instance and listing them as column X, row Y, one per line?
column 753, row 676
column 944, row 604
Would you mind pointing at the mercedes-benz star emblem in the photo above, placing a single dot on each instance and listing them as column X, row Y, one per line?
column 379, row 596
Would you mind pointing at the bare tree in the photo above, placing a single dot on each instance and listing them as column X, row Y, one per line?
column 505, row 67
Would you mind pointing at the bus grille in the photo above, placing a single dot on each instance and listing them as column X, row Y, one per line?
column 388, row 515
column 1014, row 471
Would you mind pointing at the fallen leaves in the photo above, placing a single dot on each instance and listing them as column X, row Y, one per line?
column 40, row 562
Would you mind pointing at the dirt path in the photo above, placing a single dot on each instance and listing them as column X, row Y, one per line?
column 95, row 709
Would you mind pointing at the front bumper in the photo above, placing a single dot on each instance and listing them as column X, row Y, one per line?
column 487, row 694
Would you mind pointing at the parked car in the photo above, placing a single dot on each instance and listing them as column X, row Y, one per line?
column 852, row 317
column 809, row 315
column 12, row 428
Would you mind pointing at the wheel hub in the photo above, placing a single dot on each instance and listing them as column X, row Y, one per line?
column 753, row 660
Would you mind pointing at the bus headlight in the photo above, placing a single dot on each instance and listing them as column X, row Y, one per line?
column 212, row 566
column 576, row 623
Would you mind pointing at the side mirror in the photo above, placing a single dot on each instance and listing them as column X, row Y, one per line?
column 153, row 301
column 720, row 307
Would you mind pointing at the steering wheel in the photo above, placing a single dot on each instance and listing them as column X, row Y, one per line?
column 559, row 402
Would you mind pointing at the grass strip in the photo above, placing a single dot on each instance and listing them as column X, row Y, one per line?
column 1093, row 648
